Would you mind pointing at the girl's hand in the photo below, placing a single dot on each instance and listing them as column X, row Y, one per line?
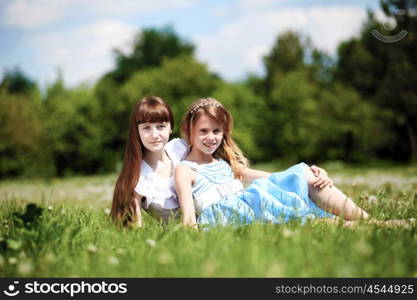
column 323, row 179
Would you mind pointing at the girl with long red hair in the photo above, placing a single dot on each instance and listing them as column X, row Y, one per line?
column 146, row 178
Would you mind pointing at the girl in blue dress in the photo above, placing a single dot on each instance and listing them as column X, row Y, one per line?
column 209, row 182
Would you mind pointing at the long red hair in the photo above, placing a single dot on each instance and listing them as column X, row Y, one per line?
column 147, row 110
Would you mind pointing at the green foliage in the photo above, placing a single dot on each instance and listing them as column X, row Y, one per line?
column 114, row 112
column 384, row 73
column 248, row 110
column 291, row 118
column 349, row 125
column 311, row 123
column 15, row 82
column 353, row 66
column 150, row 48
column 21, row 134
column 30, row 218
column 286, row 55
column 74, row 139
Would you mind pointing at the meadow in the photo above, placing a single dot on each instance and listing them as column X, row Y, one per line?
column 61, row 228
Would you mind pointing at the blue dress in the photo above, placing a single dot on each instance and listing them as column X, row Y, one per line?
column 221, row 200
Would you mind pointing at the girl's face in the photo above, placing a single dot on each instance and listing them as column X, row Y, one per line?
column 154, row 136
column 207, row 135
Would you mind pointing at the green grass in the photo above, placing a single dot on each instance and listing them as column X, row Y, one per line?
column 73, row 237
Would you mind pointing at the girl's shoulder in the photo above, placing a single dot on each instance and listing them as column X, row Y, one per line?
column 177, row 149
column 187, row 164
column 218, row 166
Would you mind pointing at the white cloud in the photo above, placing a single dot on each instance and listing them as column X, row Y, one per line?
column 332, row 25
column 234, row 49
column 238, row 46
column 252, row 5
column 83, row 53
column 30, row 14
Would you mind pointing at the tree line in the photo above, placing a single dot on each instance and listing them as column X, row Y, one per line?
column 357, row 107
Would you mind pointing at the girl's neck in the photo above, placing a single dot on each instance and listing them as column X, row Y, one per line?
column 152, row 158
column 200, row 157
column 160, row 163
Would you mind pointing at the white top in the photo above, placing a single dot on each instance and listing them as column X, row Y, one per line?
column 161, row 197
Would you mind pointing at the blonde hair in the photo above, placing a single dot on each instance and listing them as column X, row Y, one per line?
column 228, row 150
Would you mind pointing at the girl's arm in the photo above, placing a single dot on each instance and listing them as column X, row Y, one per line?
column 249, row 175
column 137, row 200
column 322, row 180
column 183, row 183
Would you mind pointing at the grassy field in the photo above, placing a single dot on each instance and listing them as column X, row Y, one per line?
column 68, row 234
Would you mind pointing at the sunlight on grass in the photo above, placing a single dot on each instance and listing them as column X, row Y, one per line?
column 68, row 234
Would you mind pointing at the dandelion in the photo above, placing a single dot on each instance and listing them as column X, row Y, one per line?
column 287, row 233
column 107, row 211
column 13, row 244
column 275, row 270
column 209, row 267
column 165, row 258
column 364, row 248
column 92, row 248
column 12, row 260
column 372, row 199
column 344, row 271
column 49, row 207
column 25, row 268
column 113, row 260
column 151, row 242
column 49, row 257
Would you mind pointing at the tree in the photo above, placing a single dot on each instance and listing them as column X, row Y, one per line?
column 384, row 73
column 291, row 118
column 21, row 132
column 21, row 126
column 150, row 48
column 248, row 111
column 73, row 131
column 287, row 55
column 16, row 82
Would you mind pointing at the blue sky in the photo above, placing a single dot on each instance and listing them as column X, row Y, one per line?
column 77, row 36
